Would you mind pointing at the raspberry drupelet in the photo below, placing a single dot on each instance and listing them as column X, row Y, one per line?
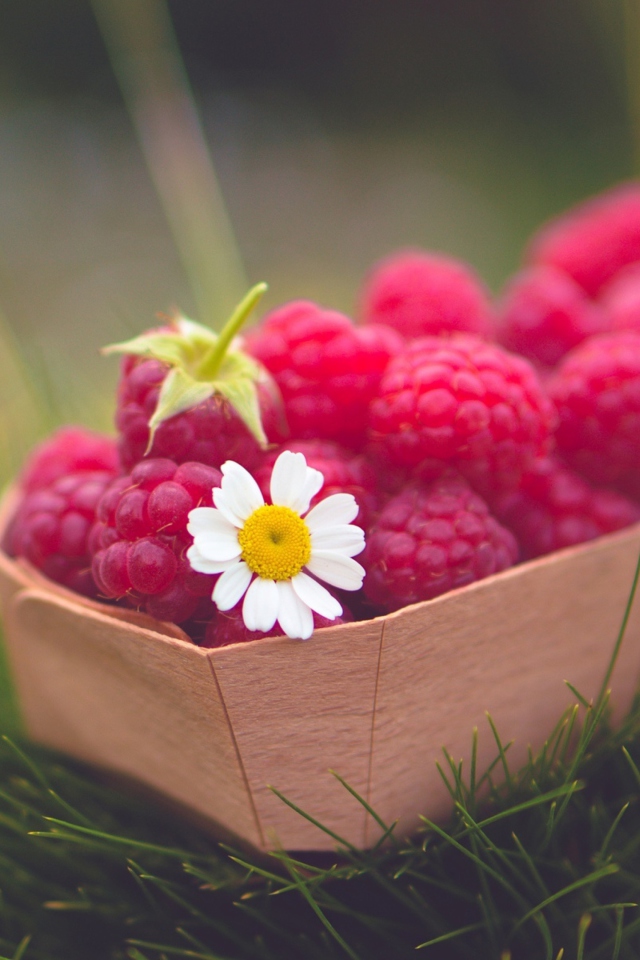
column 327, row 369
column 343, row 470
column 596, row 390
column 543, row 313
column 465, row 403
column 594, row 240
column 555, row 507
column 140, row 539
column 52, row 525
column 68, row 450
column 431, row 539
column 421, row 293
column 621, row 299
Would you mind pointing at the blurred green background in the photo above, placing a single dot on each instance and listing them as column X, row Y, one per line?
column 339, row 131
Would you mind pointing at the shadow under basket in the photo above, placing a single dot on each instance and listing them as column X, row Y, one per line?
column 376, row 701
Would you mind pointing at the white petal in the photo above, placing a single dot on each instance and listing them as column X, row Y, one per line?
column 312, row 484
column 260, row 607
column 334, row 510
column 239, row 494
column 231, row 586
column 286, row 477
column 294, row 616
column 339, row 571
column 219, row 542
column 206, row 520
column 344, row 538
column 293, row 483
column 202, row 519
column 203, row 565
column 316, row 596
column 218, row 548
column 224, row 503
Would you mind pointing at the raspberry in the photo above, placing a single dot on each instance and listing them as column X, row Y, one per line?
column 228, row 627
column 621, row 299
column 596, row 390
column 556, row 508
column 189, row 394
column 208, row 433
column 462, row 402
column 140, row 539
column 326, row 368
column 544, row 313
column 594, row 240
column 421, row 293
column 343, row 472
column 68, row 450
column 428, row 540
column 52, row 524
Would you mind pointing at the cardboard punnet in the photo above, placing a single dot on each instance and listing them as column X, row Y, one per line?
column 212, row 730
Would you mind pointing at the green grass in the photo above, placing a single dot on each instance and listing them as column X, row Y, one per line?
column 9, row 711
column 543, row 862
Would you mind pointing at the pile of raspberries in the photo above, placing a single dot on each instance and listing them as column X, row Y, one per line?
column 472, row 432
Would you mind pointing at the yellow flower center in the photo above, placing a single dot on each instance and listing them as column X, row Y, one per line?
column 275, row 542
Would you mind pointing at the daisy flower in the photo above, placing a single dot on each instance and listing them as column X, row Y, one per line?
column 266, row 551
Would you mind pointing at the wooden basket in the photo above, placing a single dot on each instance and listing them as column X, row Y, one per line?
column 374, row 701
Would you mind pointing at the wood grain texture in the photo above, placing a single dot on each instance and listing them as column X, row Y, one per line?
column 129, row 700
column 298, row 709
column 503, row 645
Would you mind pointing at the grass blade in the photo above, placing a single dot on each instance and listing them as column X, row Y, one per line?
column 470, row 928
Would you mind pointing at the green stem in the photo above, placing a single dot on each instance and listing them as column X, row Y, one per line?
column 146, row 60
column 210, row 364
column 632, row 64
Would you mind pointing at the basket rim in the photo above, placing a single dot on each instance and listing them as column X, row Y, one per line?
column 28, row 579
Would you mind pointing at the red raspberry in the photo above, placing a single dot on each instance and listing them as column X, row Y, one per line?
column 52, row 524
column 462, row 402
column 421, row 293
column 594, row 240
column 228, row 627
column 140, row 539
column 343, row 472
column 190, row 394
column 556, row 508
column 596, row 390
column 68, row 450
column 621, row 299
column 210, row 432
column 326, row 368
column 428, row 540
column 544, row 313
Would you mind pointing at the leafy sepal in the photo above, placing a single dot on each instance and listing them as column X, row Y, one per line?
column 204, row 363
column 179, row 392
